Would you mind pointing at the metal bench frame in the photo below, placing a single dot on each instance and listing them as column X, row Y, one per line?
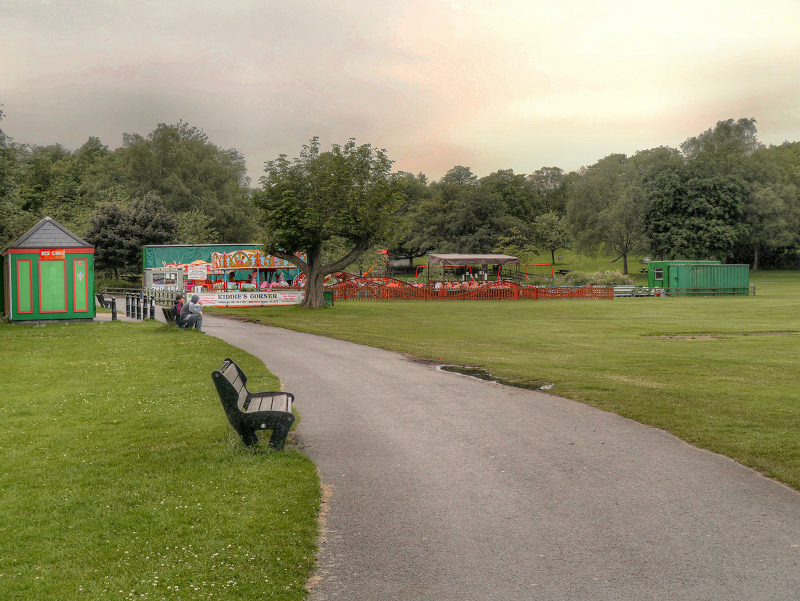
column 250, row 412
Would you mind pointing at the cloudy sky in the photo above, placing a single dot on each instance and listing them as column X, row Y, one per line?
column 490, row 84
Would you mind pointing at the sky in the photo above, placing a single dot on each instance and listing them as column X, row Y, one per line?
column 503, row 84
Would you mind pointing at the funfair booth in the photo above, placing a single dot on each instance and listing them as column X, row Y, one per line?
column 222, row 274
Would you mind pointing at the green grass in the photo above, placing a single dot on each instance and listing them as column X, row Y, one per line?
column 721, row 373
column 122, row 479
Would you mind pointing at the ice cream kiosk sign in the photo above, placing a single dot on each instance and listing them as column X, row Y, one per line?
column 52, row 254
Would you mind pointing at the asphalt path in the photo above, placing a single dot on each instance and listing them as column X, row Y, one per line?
column 444, row 487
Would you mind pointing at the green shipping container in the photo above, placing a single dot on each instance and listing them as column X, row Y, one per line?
column 699, row 278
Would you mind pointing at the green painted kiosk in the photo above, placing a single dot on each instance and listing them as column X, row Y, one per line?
column 48, row 276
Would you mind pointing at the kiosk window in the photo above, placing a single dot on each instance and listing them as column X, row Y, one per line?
column 658, row 273
column 165, row 278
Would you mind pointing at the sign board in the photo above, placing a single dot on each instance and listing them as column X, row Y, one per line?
column 52, row 254
column 252, row 299
column 195, row 273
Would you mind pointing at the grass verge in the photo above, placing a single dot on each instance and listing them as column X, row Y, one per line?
column 122, row 479
column 721, row 373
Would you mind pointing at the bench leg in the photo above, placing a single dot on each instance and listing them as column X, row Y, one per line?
column 249, row 437
column 280, row 431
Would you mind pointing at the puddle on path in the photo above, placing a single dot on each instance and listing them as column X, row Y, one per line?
column 482, row 374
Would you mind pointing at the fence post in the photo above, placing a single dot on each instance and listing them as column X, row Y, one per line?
column 113, row 308
column 138, row 305
column 127, row 304
column 152, row 307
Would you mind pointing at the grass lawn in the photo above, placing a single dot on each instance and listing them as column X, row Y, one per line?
column 121, row 478
column 721, row 373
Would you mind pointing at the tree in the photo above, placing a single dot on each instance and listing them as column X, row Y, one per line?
column 773, row 214
column 417, row 192
column 118, row 232
column 108, row 234
column 13, row 220
column 181, row 165
column 550, row 231
column 723, row 148
column 194, row 227
column 460, row 176
column 693, row 214
column 701, row 204
column 347, row 192
column 517, row 244
column 773, row 207
column 606, row 208
column 512, row 190
column 549, row 187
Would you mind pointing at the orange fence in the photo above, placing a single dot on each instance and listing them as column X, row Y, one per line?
column 381, row 288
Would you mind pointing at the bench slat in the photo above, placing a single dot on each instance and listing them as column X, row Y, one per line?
column 272, row 401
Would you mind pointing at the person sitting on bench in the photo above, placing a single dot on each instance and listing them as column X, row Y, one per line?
column 191, row 315
column 176, row 310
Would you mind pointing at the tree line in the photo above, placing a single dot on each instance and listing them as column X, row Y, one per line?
column 173, row 186
column 721, row 195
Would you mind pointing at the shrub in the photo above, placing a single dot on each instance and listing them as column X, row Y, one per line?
column 599, row 278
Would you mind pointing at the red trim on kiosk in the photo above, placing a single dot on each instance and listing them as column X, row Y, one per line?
column 30, row 285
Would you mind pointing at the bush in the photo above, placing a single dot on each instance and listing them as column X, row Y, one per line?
column 599, row 278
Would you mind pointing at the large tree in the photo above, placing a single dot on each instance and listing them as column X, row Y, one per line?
column 347, row 193
column 723, row 148
column 606, row 208
column 550, row 232
column 119, row 231
column 694, row 214
column 462, row 214
column 549, row 188
column 182, row 166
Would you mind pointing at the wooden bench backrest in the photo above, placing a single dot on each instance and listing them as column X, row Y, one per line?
column 237, row 380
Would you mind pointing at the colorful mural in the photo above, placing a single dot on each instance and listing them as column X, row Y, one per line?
column 248, row 259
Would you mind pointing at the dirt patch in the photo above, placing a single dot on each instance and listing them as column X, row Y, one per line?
column 423, row 360
column 689, row 337
column 692, row 337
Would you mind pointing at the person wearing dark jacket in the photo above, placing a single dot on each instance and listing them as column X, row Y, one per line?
column 191, row 314
column 176, row 309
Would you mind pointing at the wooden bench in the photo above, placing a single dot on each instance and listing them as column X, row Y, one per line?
column 624, row 290
column 170, row 317
column 101, row 300
column 249, row 412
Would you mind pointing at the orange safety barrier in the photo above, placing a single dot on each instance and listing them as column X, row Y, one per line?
column 383, row 288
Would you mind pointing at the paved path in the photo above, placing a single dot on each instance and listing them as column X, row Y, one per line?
column 449, row 488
